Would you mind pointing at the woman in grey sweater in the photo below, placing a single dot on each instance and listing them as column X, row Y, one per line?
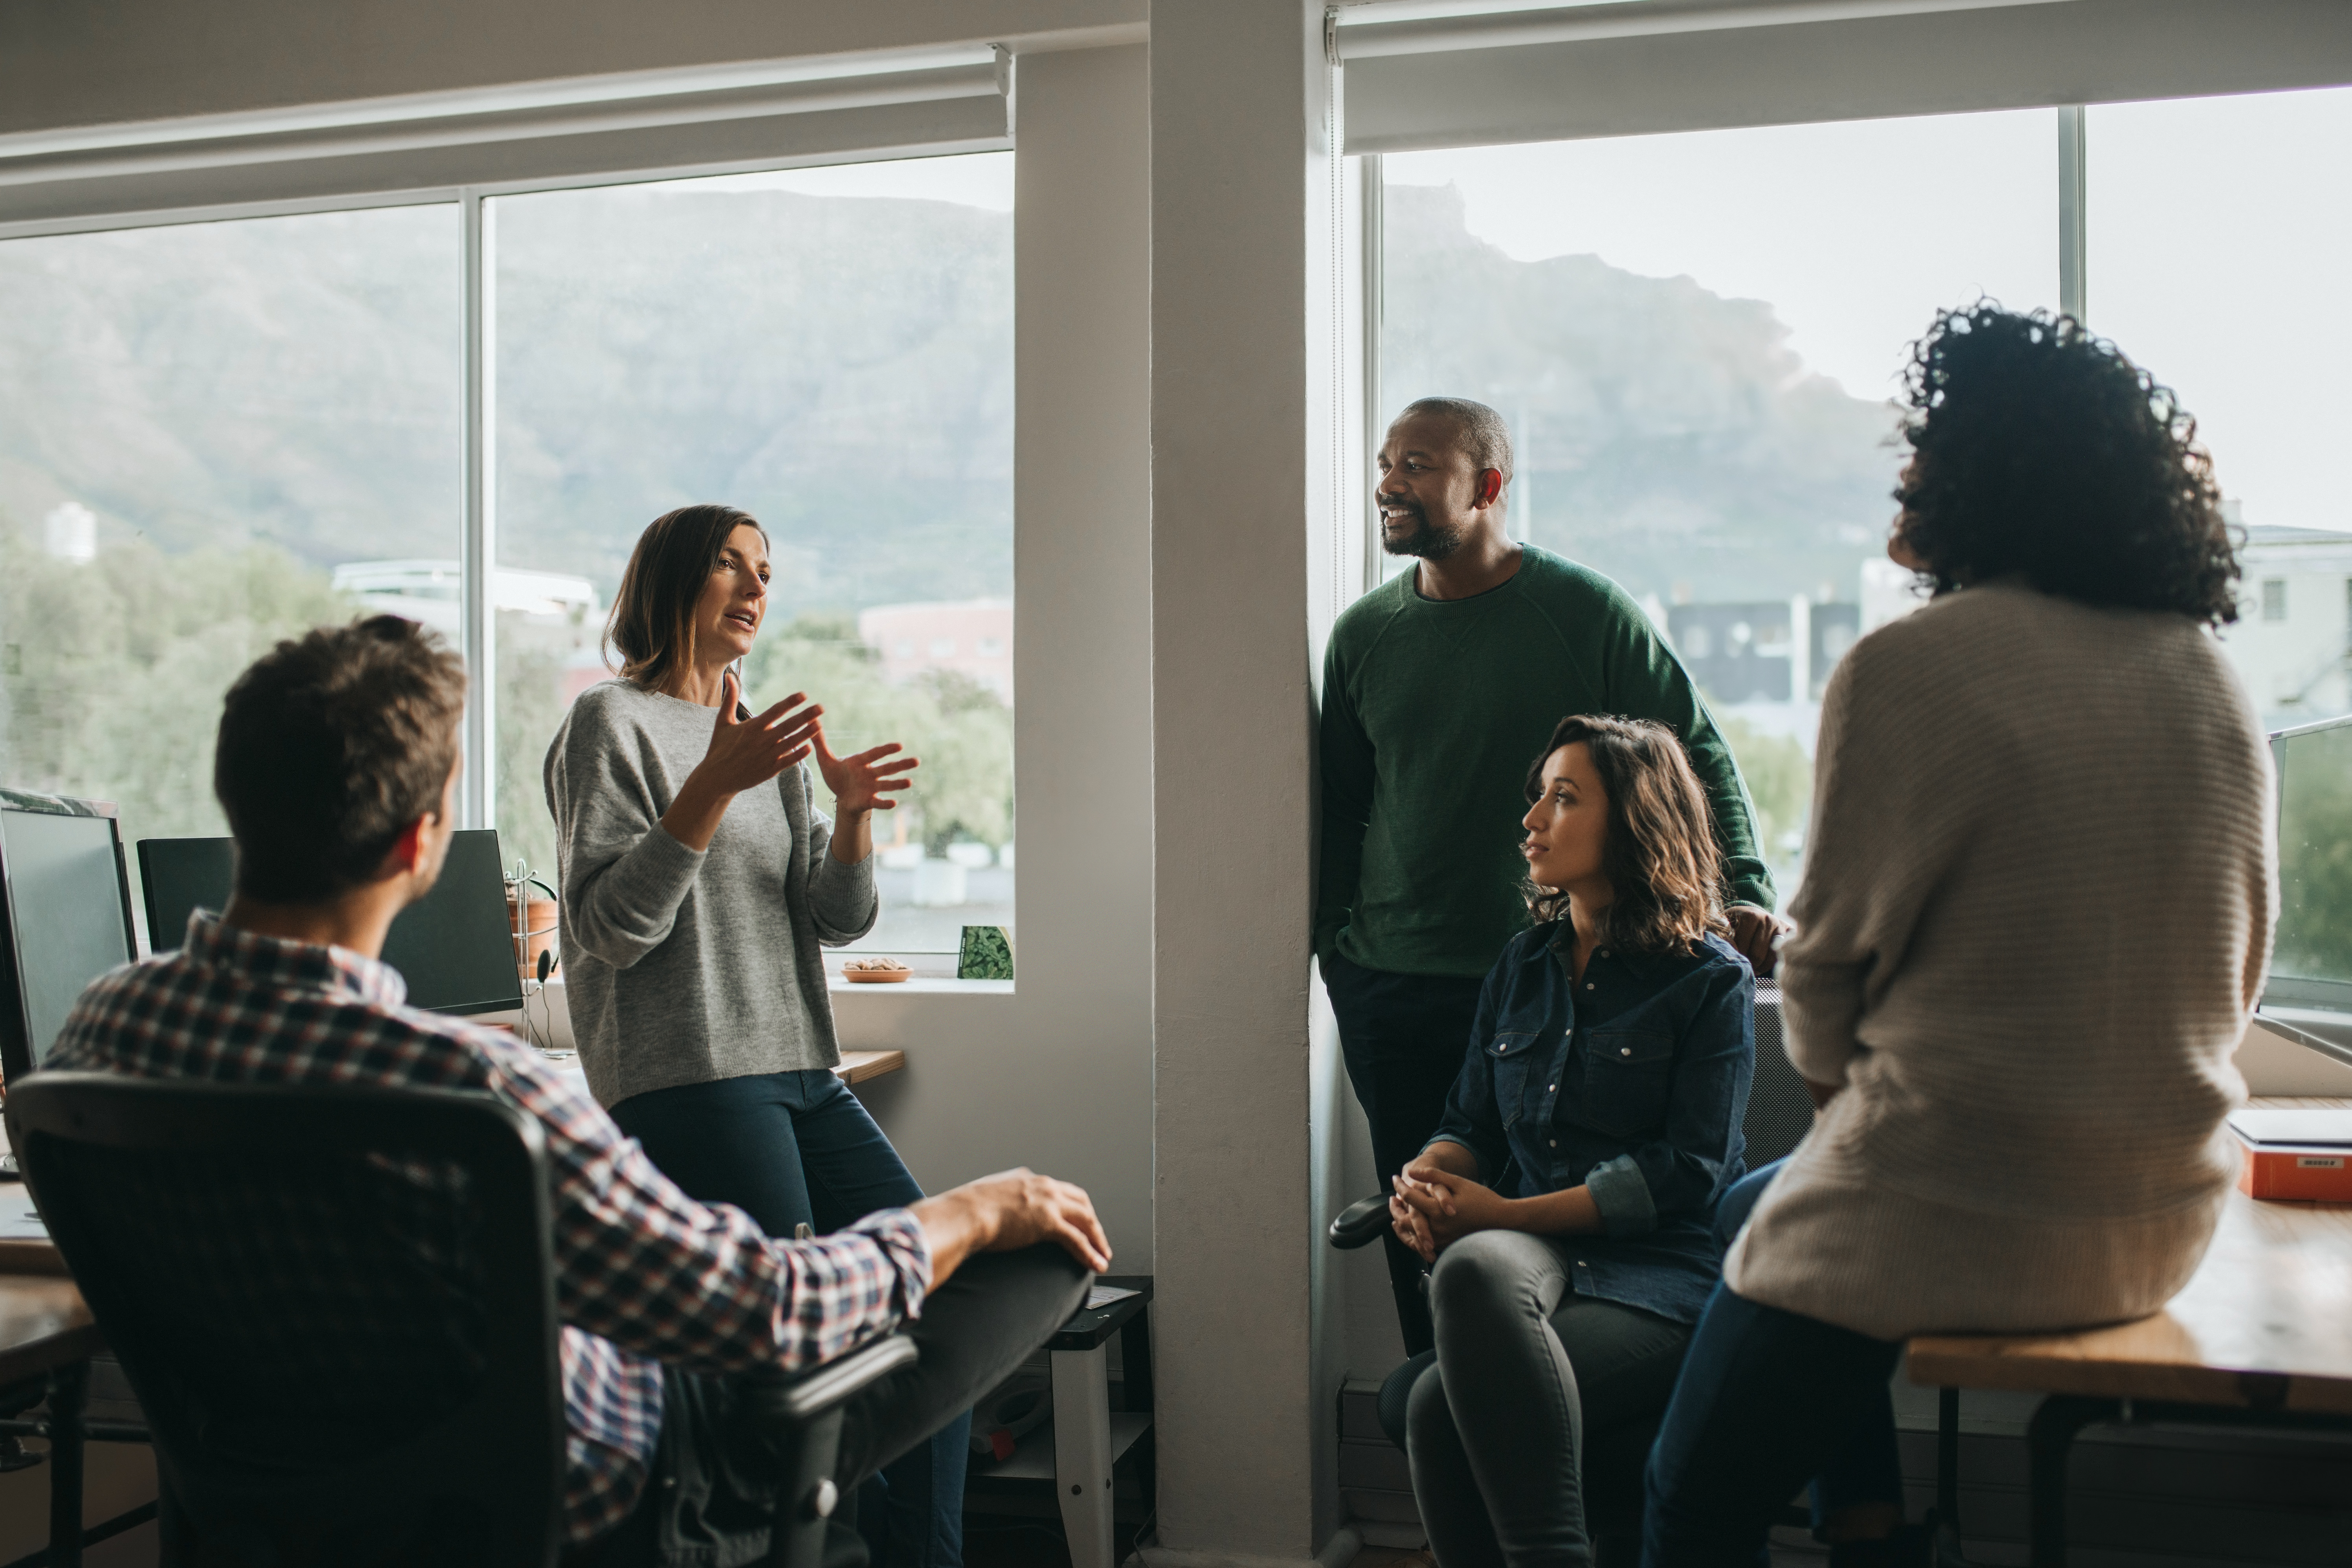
column 700, row 886
column 2036, row 915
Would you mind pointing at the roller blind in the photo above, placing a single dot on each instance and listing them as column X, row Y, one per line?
column 1415, row 81
column 547, row 132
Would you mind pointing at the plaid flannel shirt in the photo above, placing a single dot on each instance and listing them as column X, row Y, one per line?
column 643, row 1273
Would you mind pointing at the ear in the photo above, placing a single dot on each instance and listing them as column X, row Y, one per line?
column 407, row 851
column 1490, row 487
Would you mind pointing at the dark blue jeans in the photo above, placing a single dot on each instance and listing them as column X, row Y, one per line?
column 797, row 1148
column 1767, row 1401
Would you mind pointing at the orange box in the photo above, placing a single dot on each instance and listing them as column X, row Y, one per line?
column 2302, row 1155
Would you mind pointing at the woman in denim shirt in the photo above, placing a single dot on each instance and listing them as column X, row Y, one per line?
column 1569, row 1197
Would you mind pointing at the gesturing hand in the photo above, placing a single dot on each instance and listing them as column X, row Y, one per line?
column 861, row 783
column 746, row 753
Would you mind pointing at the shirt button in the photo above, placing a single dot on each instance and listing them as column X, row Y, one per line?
column 1580, row 1262
column 1624, row 1051
column 1588, row 985
column 1551, row 1088
column 1554, row 1141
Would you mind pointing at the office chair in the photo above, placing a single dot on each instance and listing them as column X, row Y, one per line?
column 1780, row 1113
column 337, row 1307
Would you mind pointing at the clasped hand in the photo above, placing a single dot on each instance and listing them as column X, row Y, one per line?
column 1431, row 1207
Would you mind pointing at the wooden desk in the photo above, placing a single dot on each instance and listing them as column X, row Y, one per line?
column 46, row 1332
column 2261, row 1336
column 857, row 1067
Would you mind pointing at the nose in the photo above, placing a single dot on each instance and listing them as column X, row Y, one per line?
column 1529, row 821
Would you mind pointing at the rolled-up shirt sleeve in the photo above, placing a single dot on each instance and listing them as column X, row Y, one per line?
column 1680, row 1172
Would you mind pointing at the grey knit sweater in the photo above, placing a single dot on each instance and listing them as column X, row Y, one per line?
column 2036, row 915
column 685, row 966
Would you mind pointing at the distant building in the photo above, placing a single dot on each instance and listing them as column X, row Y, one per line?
column 70, row 532
column 428, row 592
column 970, row 636
column 1767, row 650
column 2295, row 623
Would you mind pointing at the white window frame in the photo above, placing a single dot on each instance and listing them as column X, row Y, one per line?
column 617, row 103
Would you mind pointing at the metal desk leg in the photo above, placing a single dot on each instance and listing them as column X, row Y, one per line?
column 1082, row 1453
column 1948, row 1479
column 69, row 1391
column 2049, row 1438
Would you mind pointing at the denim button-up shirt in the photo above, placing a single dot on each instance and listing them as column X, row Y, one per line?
column 1631, row 1084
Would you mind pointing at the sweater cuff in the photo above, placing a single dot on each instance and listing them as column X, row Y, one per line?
column 842, row 897
column 1622, row 1193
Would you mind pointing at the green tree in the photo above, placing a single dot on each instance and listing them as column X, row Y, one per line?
column 960, row 730
column 112, row 671
column 1781, row 785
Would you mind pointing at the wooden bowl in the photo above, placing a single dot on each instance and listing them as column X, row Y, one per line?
column 877, row 976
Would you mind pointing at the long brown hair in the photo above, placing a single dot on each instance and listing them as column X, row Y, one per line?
column 652, row 623
column 1660, row 857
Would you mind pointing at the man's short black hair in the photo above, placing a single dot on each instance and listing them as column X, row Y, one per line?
column 1485, row 435
column 330, row 745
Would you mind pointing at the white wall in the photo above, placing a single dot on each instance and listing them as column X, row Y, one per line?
column 1058, row 1075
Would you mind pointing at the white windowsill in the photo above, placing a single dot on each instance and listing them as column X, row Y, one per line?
column 921, row 986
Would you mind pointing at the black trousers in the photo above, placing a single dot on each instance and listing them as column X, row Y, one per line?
column 1402, row 1036
column 711, row 1488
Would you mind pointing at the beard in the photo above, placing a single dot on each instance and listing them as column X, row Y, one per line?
column 1426, row 540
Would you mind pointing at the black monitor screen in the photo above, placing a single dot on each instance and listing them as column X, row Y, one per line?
column 69, row 922
column 453, row 946
column 2311, row 961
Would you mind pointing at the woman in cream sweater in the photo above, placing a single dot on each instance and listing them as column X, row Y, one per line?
column 2035, row 917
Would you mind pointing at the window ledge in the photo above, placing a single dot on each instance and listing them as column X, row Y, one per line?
column 921, row 986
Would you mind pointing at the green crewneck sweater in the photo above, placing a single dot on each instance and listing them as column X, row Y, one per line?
column 1432, row 710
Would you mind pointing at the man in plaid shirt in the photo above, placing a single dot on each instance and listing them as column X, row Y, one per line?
column 337, row 767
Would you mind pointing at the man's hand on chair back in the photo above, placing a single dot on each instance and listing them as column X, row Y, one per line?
column 1006, row 1212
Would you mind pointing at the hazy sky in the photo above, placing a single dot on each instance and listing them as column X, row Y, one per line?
column 1856, row 232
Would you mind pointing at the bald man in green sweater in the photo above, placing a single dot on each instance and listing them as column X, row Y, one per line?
column 1439, row 686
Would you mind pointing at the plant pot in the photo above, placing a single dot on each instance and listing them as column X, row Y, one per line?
column 539, row 918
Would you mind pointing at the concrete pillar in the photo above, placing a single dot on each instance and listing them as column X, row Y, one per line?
column 1242, row 435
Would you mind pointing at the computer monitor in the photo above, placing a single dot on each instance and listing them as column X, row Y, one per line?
column 2311, row 957
column 69, row 916
column 453, row 946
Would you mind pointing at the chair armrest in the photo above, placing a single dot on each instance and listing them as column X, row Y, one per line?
column 836, row 1380
column 1362, row 1223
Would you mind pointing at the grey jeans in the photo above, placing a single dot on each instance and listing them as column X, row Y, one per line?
column 1526, row 1370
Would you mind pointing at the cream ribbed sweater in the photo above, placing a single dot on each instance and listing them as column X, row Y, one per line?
column 2035, row 916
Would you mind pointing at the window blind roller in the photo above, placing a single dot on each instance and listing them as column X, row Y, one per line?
column 1418, row 81
column 550, row 133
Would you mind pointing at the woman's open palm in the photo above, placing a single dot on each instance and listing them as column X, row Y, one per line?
column 863, row 781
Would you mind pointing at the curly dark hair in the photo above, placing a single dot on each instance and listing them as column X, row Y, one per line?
column 1664, row 868
column 2042, row 451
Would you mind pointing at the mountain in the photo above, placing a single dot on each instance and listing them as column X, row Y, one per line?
column 1668, row 436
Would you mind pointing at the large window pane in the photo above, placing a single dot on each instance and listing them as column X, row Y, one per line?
column 1696, row 339
column 208, row 434
column 2219, row 233
column 831, row 350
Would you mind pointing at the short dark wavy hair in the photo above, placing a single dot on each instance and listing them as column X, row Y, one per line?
column 330, row 745
column 2043, row 452
column 1664, row 868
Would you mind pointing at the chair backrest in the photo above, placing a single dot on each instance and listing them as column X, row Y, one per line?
column 336, row 1305
column 1780, row 1108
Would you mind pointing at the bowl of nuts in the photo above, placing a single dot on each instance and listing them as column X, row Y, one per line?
column 876, row 971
